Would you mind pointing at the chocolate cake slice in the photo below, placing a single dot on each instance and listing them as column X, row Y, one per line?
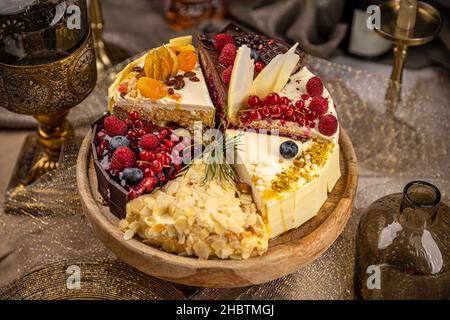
column 264, row 49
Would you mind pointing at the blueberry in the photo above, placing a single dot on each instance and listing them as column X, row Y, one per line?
column 288, row 149
column 132, row 175
column 118, row 141
column 255, row 55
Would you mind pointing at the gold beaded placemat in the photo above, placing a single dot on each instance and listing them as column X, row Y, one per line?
column 89, row 279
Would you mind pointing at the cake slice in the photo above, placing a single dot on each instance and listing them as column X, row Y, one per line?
column 263, row 50
column 165, row 86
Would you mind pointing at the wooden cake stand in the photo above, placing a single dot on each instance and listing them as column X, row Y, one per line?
column 286, row 254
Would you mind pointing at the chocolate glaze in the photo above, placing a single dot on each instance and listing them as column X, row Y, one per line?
column 114, row 195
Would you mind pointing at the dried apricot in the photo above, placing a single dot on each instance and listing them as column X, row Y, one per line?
column 187, row 59
column 151, row 88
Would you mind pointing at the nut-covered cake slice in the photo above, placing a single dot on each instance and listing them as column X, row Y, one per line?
column 165, row 86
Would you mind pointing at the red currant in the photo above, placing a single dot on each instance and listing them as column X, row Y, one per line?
column 265, row 111
column 272, row 99
column 300, row 104
column 245, row 119
column 275, row 111
column 254, row 101
column 148, row 172
column 131, row 134
column 285, row 100
column 254, row 115
column 140, row 133
column 259, row 66
column 138, row 124
column 128, row 122
column 157, row 165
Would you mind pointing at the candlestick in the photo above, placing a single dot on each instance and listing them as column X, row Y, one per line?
column 406, row 23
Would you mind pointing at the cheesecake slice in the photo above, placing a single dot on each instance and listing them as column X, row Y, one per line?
column 156, row 86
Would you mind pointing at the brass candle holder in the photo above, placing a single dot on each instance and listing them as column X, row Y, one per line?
column 406, row 23
column 103, row 60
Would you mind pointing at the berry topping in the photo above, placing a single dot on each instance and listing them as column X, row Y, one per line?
column 305, row 96
column 132, row 175
column 254, row 101
column 133, row 116
column 221, row 40
column 226, row 74
column 228, row 55
column 123, row 158
column 259, row 66
column 288, row 149
column 149, row 141
column 114, row 126
column 328, row 125
column 272, row 99
column 319, row 105
column 314, row 87
column 300, row 104
column 118, row 141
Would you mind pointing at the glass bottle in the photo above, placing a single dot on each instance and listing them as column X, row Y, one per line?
column 403, row 246
column 183, row 14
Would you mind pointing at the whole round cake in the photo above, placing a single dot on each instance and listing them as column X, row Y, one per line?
column 212, row 151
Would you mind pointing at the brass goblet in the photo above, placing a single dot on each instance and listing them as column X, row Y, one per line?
column 48, row 90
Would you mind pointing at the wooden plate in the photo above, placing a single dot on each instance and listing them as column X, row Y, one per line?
column 286, row 254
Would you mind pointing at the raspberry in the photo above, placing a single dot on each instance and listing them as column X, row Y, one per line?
column 114, row 126
column 123, row 158
column 226, row 74
column 328, row 125
column 319, row 105
column 314, row 87
column 228, row 55
column 221, row 40
column 149, row 141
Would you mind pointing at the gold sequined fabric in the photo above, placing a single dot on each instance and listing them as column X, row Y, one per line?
column 394, row 145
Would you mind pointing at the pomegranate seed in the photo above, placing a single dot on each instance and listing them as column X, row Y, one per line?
column 157, row 165
column 165, row 132
column 138, row 124
column 300, row 104
column 272, row 99
column 254, row 101
column 301, row 121
column 283, row 107
column 312, row 124
column 305, row 96
column 133, row 116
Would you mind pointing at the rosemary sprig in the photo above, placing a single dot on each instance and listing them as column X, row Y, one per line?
column 216, row 164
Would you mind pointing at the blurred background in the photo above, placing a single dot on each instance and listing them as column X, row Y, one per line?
column 331, row 29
